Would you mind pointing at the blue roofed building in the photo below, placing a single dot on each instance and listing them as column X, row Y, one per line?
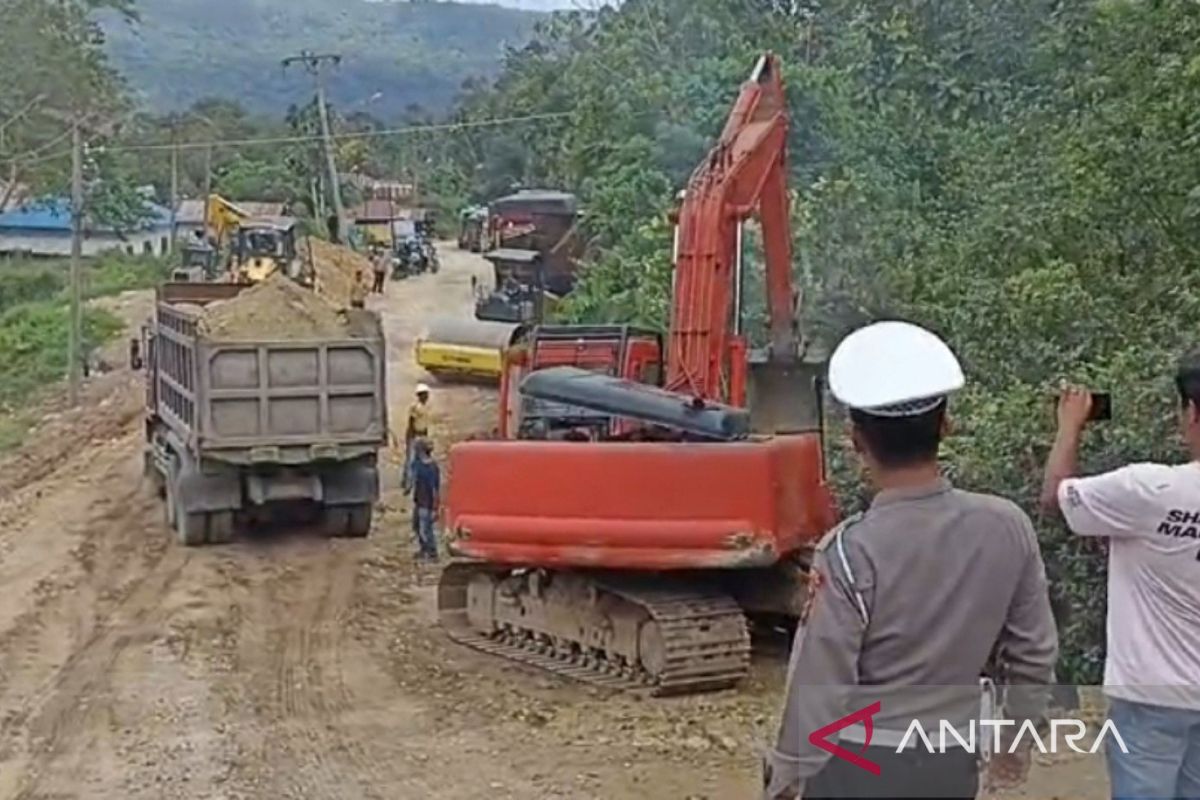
column 43, row 228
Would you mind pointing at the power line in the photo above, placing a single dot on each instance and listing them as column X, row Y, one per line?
column 28, row 158
column 297, row 139
column 31, row 156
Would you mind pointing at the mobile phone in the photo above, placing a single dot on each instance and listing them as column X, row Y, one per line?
column 1101, row 407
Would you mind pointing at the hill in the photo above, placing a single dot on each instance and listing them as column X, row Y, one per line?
column 406, row 52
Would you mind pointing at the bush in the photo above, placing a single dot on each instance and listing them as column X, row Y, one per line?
column 25, row 281
column 22, row 282
column 113, row 274
column 33, row 339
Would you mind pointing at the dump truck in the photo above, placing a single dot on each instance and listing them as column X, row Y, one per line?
column 471, row 224
column 236, row 424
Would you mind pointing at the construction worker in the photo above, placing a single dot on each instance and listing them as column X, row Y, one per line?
column 910, row 601
column 427, row 487
column 379, row 263
column 416, row 427
column 1149, row 513
column 358, row 290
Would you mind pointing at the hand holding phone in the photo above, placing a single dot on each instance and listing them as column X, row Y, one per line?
column 1078, row 406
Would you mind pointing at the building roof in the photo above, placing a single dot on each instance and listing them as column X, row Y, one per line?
column 191, row 212
column 54, row 214
column 277, row 222
column 379, row 188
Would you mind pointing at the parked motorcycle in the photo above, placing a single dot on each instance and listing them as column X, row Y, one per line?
column 407, row 259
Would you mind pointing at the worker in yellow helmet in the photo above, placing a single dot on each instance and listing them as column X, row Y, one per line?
column 416, row 427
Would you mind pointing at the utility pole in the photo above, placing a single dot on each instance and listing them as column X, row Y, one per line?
column 207, row 189
column 315, row 63
column 75, row 336
column 175, row 183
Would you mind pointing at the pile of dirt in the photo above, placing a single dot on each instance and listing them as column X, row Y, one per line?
column 279, row 308
column 336, row 268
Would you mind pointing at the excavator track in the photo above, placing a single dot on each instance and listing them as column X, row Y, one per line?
column 655, row 635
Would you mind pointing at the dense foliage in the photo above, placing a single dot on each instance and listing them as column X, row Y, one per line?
column 1020, row 175
column 183, row 51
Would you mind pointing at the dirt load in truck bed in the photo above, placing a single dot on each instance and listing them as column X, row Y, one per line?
column 280, row 309
column 335, row 268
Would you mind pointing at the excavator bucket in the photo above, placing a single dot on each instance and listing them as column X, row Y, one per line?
column 785, row 397
column 465, row 349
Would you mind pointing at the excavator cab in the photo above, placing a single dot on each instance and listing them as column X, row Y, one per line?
column 198, row 262
column 616, row 352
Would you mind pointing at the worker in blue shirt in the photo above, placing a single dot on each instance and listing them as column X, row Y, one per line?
column 427, row 485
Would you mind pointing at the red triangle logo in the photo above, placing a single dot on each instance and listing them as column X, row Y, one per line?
column 820, row 738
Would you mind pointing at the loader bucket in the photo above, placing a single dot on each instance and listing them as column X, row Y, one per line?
column 785, row 397
column 465, row 349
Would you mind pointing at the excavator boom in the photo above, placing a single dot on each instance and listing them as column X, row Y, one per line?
column 745, row 172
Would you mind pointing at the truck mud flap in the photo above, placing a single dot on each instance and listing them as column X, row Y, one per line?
column 201, row 492
column 350, row 482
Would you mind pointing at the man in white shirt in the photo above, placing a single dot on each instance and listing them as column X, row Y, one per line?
column 1150, row 515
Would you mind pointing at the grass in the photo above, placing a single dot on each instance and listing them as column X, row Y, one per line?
column 34, row 325
column 28, row 280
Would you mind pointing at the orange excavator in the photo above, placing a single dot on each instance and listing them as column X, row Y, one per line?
column 636, row 519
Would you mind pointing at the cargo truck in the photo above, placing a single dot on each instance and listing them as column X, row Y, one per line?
column 234, row 427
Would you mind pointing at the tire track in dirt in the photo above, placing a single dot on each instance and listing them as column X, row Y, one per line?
column 292, row 674
column 96, row 594
column 131, row 667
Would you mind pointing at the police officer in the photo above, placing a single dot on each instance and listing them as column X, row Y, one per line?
column 909, row 601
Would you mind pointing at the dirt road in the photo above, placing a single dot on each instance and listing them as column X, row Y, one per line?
column 289, row 666
column 292, row 666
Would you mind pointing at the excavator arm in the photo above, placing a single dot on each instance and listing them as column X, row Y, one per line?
column 745, row 172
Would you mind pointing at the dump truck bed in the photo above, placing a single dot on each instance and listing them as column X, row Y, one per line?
column 286, row 401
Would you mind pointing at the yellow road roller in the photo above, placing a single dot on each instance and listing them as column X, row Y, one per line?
column 466, row 349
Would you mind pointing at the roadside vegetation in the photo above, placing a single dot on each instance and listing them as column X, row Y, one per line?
column 34, row 325
column 1020, row 175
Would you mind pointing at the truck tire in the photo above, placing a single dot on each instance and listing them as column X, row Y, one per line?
column 151, row 472
column 360, row 520
column 220, row 527
column 347, row 521
column 168, row 504
column 334, row 521
column 191, row 528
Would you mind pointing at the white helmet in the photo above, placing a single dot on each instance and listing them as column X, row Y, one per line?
column 893, row 369
column 422, row 389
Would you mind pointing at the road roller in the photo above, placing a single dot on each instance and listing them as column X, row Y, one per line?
column 470, row 350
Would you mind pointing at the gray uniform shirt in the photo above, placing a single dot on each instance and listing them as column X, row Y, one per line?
column 945, row 579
